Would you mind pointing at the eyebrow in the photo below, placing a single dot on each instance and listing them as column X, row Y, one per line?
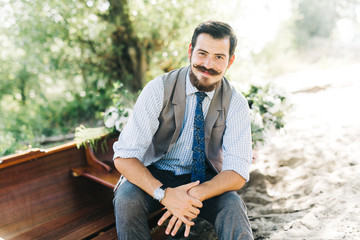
column 217, row 54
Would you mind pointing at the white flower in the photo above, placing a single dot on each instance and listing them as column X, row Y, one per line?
column 110, row 110
column 267, row 115
column 276, row 108
column 256, row 118
column 110, row 122
column 119, row 124
column 114, row 115
column 269, row 98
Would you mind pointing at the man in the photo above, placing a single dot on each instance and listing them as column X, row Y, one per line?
column 187, row 146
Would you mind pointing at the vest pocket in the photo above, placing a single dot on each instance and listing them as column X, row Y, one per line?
column 218, row 128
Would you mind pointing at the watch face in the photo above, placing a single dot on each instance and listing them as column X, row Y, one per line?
column 159, row 194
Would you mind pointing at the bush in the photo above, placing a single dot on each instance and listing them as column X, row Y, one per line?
column 267, row 111
column 32, row 123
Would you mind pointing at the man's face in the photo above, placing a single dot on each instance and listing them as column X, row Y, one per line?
column 209, row 61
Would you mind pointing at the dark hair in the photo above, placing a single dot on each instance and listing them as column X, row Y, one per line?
column 217, row 30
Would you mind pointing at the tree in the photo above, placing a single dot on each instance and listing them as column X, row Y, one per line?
column 60, row 60
column 317, row 19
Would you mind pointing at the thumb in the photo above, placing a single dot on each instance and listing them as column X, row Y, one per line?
column 191, row 185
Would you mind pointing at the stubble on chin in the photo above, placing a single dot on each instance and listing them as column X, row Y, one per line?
column 201, row 87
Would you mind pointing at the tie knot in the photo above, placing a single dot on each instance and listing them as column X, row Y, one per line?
column 200, row 96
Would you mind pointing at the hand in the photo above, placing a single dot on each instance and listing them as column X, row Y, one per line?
column 182, row 206
column 195, row 192
column 173, row 224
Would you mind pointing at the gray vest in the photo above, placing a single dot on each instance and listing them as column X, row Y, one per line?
column 172, row 115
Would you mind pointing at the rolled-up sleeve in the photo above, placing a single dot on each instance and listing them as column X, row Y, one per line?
column 137, row 134
column 237, row 147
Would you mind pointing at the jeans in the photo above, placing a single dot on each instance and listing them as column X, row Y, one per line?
column 227, row 212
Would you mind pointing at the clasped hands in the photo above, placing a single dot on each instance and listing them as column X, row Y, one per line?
column 182, row 207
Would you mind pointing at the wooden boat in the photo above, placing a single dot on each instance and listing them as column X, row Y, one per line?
column 60, row 193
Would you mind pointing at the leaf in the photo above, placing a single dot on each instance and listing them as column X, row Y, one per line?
column 91, row 135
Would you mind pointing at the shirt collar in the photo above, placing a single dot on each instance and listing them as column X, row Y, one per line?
column 191, row 89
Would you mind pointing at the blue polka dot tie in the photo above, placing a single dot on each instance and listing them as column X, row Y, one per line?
column 198, row 164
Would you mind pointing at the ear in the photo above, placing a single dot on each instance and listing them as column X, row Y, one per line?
column 189, row 51
column 231, row 60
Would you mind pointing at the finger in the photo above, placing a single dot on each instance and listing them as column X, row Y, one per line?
column 186, row 221
column 190, row 215
column 195, row 211
column 170, row 225
column 187, row 231
column 196, row 203
column 176, row 227
column 165, row 216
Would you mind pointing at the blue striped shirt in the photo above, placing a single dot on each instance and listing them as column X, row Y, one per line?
column 137, row 135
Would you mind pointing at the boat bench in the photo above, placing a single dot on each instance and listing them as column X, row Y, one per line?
column 100, row 168
column 40, row 199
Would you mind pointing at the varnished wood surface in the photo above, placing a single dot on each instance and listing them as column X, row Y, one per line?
column 107, row 235
column 38, row 195
column 40, row 198
column 14, row 159
column 108, row 179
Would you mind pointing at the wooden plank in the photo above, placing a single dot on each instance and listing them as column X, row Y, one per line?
column 63, row 224
column 39, row 198
column 43, row 189
column 33, row 153
column 90, row 228
column 39, row 190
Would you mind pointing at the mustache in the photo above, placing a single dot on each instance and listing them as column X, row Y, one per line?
column 211, row 71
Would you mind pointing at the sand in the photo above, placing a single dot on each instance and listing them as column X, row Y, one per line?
column 305, row 183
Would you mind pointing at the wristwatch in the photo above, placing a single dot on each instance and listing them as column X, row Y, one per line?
column 159, row 193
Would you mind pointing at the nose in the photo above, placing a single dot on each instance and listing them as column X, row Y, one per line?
column 208, row 63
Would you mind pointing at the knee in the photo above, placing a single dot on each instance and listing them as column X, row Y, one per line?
column 129, row 199
column 233, row 211
column 233, row 203
column 232, row 221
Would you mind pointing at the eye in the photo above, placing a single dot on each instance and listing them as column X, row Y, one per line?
column 219, row 57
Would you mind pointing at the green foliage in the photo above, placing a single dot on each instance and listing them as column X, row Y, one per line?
column 29, row 124
column 92, row 136
column 115, row 116
column 67, row 63
column 267, row 111
column 60, row 59
column 316, row 19
column 117, row 113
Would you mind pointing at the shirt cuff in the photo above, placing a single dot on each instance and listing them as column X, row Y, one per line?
column 126, row 153
column 242, row 170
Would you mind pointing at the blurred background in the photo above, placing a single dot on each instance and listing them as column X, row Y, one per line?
column 65, row 63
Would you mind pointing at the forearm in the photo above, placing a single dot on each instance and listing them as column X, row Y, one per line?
column 223, row 182
column 136, row 173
